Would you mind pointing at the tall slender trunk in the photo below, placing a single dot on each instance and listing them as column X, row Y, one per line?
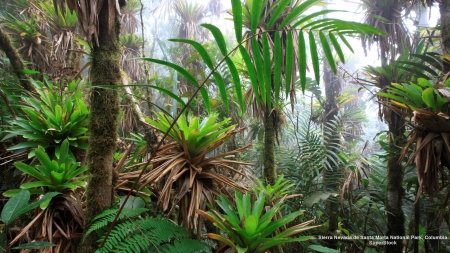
column 270, row 174
column 395, row 216
column 331, row 175
column 444, row 8
column 104, row 107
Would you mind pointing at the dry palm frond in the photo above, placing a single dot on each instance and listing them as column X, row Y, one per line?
column 432, row 154
column 130, row 23
column 32, row 45
column 182, row 172
column 88, row 11
column 60, row 223
column 189, row 14
column 62, row 25
column 129, row 62
column 386, row 15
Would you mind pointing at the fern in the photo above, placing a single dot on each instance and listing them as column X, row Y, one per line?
column 147, row 234
column 107, row 216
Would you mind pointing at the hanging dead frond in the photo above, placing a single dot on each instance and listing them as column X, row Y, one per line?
column 88, row 11
column 432, row 154
column 182, row 172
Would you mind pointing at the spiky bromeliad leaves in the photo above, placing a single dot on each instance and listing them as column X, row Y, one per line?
column 183, row 165
column 147, row 234
column 54, row 116
column 252, row 229
column 59, row 175
column 428, row 107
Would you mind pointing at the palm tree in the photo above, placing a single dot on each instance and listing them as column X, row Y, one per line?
column 276, row 49
column 396, row 42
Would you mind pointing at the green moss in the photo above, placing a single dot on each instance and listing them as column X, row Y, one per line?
column 270, row 172
column 103, row 123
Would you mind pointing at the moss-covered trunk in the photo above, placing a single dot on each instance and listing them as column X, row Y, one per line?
column 444, row 8
column 270, row 172
column 15, row 60
column 104, row 107
column 394, row 212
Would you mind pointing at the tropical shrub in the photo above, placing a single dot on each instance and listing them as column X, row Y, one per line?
column 13, row 209
column 184, row 166
column 133, row 233
column 250, row 227
column 59, row 175
column 57, row 114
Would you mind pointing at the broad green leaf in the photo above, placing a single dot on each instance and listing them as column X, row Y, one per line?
column 36, row 184
column 58, row 114
column 250, row 224
column 398, row 99
column 311, row 16
column 218, row 37
column 297, row 11
column 316, row 197
column 33, row 205
column 35, row 245
column 327, row 50
column 314, row 57
column 429, row 59
column 236, row 9
column 28, row 72
column 200, row 49
column 251, row 72
column 278, row 55
column 302, row 59
column 222, row 89
column 290, row 54
column 255, row 15
column 221, row 239
column 282, row 4
column 345, row 42
column 267, row 70
column 258, row 63
column 336, row 46
column 27, row 169
column 14, row 205
column 186, row 75
column 170, row 93
column 237, row 82
column 428, row 97
column 421, row 66
column 414, row 71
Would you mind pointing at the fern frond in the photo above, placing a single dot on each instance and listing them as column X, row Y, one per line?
column 107, row 216
column 149, row 235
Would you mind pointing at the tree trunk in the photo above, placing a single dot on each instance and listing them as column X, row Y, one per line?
column 270, row 172
column 15, row 60
column 331, row 175
column 444, row 8
column 104, row 107
column 395, row 216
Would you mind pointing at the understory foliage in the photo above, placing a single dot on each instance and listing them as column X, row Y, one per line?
column 56, row 113
column 134, row 233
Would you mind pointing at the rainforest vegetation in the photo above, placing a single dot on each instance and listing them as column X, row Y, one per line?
column 224, row 126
